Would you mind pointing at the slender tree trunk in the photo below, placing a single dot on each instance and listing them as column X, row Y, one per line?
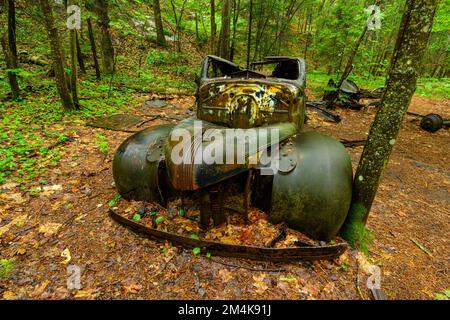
column 236, row 11
column 224, row 40
column 80, row 54
column 12, row 77
column 400, row 86
column 73, row 67
column 349, row 66
column 106, row 42
column 160, row 38
column 94, row 49
column 213, row 26
column 73, row 62
column 249, row 34
column 8, row 43
column 178, row 22
column 12, row 28
column 197, row 37
column 57, row 54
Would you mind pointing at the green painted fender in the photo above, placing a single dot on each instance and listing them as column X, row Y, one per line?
column 136, row 165
column 315, row 196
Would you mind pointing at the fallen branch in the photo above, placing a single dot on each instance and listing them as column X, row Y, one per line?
column 52, row 146
column 39, row 61
column 353, row 143
column 148, row 120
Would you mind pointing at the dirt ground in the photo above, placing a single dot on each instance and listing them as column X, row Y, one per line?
column 67, row 223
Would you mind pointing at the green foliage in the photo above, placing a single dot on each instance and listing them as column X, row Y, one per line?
column 159, row 219
column 194, row 236
column 6, row 267
column 159, row 57
column 113, row 201
column 442, row 296
column 196, row 251
column 344, row 266
column 137, row 217
column 354, row 230
column 102, row 143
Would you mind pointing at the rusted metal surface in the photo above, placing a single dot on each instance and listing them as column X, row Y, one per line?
column 305, row 253
column 245, row 99
column 191, row 176
column 310, row 191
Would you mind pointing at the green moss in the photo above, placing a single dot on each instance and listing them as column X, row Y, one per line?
column 6, row 266
column 354, row 230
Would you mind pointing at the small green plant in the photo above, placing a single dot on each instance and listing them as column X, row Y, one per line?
column 194, row 236
column 196, row 251
column 442, row 296
column 6, row 266
column 137, row 217
column 159, row 219
column 102, row 143
column 113, row 201
column 344, row 266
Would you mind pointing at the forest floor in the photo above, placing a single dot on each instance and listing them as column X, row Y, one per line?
column 63, row 220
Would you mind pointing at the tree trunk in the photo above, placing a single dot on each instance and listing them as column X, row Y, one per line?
column 12, row 77
column 73, row 62
column 400, row 86
column 224, row 40
column 349, row 66
column 57, row 55
column 236, row 11
column 80, row 54
column 249, row 34
column 178, row 22
column 94, row 49
column 106, row 42
column 73, row 67
column 8, row 42
column 160, row 38
column 197, row 37
column 12, row 28
column 213, row 26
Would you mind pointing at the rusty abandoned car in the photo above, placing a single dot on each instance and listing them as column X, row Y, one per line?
column 310, row 192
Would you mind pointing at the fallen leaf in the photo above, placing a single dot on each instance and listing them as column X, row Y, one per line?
column 132, row 288
column 260, row 284
column 17, row 220
column 21, row 251
column 288, row 279
column 225, row 275
column 49, row 228
column 9, row 295
column 49, row 190
column 66, row 255
column 39, row 289
column 85, row 294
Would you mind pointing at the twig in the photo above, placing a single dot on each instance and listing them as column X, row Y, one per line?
column 421, row 247
column 145, row 121
column 353, row 143
column 357, row 283
column 52, row 146
column 281, row 235
column 248, row 268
